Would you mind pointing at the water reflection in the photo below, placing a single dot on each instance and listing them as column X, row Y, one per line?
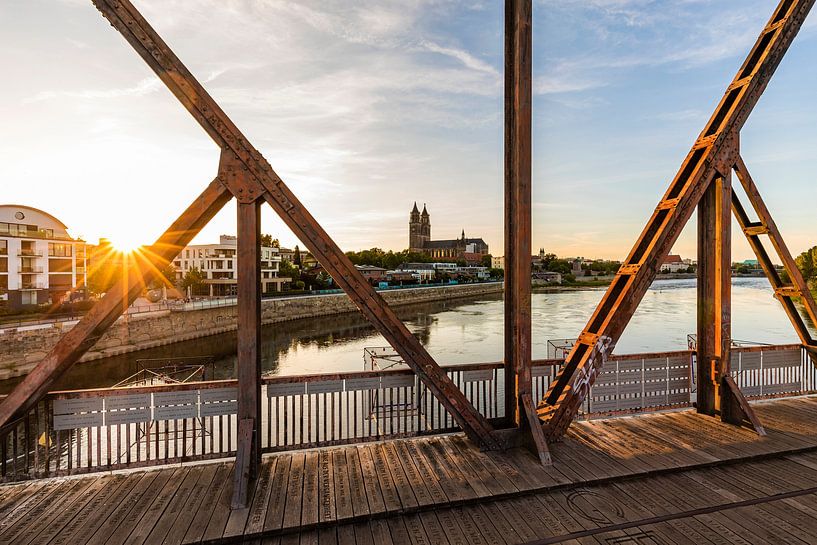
column 465, row 331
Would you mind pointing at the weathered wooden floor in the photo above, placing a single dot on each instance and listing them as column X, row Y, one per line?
column 663, row 478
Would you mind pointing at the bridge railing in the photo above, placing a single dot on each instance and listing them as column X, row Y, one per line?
column 80, row 431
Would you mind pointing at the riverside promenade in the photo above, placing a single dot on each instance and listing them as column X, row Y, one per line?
column 22, row 347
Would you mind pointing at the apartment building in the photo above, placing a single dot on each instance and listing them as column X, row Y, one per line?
column 219, row 265
column 40, row 262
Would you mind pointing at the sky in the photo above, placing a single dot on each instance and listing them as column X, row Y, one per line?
column 364, row 107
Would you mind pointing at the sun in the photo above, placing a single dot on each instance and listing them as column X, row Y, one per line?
column 125, row 243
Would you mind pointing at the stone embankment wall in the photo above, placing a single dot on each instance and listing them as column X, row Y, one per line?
column 22, row 348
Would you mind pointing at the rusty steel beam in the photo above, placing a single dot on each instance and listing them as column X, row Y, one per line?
column 714, row 292
column 264, row 182
column 248, row 372
column 786, row 294
column 518, row 94
column 563, row 399
column 718, row 393
column 147, row 264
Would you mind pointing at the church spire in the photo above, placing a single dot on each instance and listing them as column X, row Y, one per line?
column 425, row 212
column 414, row 210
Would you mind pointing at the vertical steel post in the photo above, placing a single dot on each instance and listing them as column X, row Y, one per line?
column 248, row 456
column 518, row 94
column 714, row 296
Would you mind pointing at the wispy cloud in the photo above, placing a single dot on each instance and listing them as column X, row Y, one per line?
column 143, row 87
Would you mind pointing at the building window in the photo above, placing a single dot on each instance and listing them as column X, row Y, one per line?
column 4, row 247
column 28, row 298
column 59, row 250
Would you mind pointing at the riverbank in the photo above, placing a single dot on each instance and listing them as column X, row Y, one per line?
column 22, row 348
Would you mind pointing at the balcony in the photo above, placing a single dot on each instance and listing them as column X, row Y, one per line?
column 32, row 286
column 30, row 270
column 29, row 252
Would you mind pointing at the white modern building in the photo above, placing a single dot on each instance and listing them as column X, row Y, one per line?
column 218, row 263
column 40, row 262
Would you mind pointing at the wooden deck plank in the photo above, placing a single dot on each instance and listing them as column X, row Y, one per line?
column 437, row 535
column 405, row 490
column 357, row 487
column 204, row 510
column 59, row 513
column 195, row 501
column 158, row 505
column 371, row 484
column 17, row 512
column 83, row 525
column 166, row 519
column 495, row 479
column 30, row 524
column 391, row 496
column 278, row 500
column 343, row 498
column 310, row 501
column 295, row 491
column 258, row 504
column 415, row 480
column 216, row 523
column 326, row 488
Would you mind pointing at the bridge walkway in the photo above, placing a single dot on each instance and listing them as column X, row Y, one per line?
column 660, row 478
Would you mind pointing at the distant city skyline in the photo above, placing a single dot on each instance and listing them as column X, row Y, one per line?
column 361, row 108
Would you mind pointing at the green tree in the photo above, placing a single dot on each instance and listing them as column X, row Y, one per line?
column 807, row 263
column 288, row 270
column 194, row 279
column 297, row 258
column 167, row 277
column 486, row 260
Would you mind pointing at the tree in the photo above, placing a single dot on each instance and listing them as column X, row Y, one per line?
column 496, row 273
column 486, row 260
column 288, row 270
column 167, row 277
column 297, row 258
column 807, row 263
column 194, row 279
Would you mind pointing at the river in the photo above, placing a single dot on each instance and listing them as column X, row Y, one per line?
column 464, row 331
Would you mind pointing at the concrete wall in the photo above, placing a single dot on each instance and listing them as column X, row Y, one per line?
column 22, row 348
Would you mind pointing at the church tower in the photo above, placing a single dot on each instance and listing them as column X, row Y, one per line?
column 425, row 225
column 419, row 229
column 415, row 234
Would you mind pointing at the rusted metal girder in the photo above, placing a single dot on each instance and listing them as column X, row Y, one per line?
column 262, row 181
column 248, row 372
column 562, row 401
column 718, row 393
column 714, row 339
column 146, row 265
column 518, row 93
column 785, row 293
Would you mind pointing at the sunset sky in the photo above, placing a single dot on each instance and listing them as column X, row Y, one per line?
column 365, row 107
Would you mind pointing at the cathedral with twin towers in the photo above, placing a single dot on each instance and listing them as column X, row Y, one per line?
column 458, row 248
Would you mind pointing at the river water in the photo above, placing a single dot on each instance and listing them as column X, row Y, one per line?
column 465, row 331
